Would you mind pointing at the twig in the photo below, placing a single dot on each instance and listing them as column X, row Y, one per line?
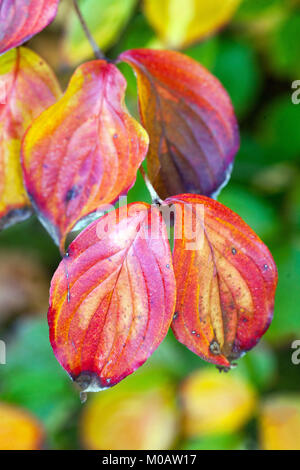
column 97, row 51
column 154, row 196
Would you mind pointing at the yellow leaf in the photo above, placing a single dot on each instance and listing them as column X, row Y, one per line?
column 180, row 24
column 130, row 418
column 279, row 423
column 215, row 403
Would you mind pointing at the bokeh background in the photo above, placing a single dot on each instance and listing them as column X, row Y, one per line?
column 175, row 401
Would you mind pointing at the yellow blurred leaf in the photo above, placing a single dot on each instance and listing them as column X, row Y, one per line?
column 105, row 19
column 279, row 423
column 124, row 418
column 181, row 24
column 215, row 403
column 19, row 430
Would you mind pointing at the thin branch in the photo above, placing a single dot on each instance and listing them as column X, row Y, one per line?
column 97, row 51
column 154, row 196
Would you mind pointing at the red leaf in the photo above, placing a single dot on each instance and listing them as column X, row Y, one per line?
column 112, row 297
column 22, row 19
column 84, row 151
column 226, row 280
column 190, row 120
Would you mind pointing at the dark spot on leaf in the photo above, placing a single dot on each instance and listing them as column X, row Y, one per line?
column 72, row 193
column 214, row 348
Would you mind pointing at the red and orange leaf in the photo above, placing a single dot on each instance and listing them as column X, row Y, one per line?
column 84, row 151
column 190, row 120
column 226, row 280
column 112, row 297
column 22, row 19
column 27, row 87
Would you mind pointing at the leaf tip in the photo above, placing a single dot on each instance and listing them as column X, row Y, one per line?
column 89, row 382
column 15, row 216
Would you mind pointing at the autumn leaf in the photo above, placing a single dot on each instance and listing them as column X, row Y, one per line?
column 214, row 403
column 106, row 19
column 83, row 152
column 112, row 297
column 19, row 430
column 27, row 87
column 190, row 120
column 22, row 19
column 226, row 280
column 178, row 26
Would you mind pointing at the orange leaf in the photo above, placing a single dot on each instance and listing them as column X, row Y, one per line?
column 28, row 86
column 112, row 297
column 22, row 19
column 19, row 430
column 84, row 151
column 190, row 120
column 226, row 280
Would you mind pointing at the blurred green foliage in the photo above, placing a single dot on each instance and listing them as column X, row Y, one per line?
column 256, row 57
